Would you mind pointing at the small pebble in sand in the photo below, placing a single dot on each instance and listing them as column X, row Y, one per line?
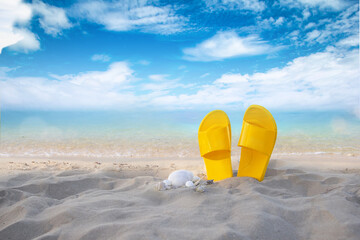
column 189, row 184
column 200, row 189
column 208, row 182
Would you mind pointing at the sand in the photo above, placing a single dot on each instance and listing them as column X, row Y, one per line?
column 301, row 197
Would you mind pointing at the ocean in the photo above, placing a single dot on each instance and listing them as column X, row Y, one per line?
column 166, row 134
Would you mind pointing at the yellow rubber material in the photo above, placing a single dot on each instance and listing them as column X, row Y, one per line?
column 215, row 145
column 257, row 141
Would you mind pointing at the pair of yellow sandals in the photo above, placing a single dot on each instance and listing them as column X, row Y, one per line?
column 257, row 140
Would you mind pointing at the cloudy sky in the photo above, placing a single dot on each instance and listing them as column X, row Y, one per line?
column 126, row 54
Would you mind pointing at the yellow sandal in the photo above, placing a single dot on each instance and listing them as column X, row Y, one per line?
column 215, row 145
column 257, row 141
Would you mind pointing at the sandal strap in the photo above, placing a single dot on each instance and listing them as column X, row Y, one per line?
column 257, row 138
column 215, row 138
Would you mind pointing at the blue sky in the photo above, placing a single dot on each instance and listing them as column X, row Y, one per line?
column 229, row 54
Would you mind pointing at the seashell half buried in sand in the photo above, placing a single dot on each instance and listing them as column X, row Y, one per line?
column 178, row 178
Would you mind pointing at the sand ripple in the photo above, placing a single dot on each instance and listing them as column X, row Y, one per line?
column 288, row 204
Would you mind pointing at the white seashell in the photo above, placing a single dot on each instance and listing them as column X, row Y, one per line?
column 178, row 178
column 200, row 189
column 160, row 186
column 189, row 184
column 195, row 179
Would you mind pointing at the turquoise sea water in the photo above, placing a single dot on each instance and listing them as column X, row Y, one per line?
column 162, row 134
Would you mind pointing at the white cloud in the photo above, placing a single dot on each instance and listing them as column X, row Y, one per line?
column 114, row 88
column 266, row 24
column 328, row 4
column 144, row 62
column 11, row 13
column 294, row 35
column 347, row 22
column 118, row 74
column 52, row 19
column 131, row 15
column 158, row 77
column 161, row 85
column 306, row 14
column 226, row 45
column 279, row 21
column 94, row 90
column 351, row 41
column 101, row 57
column 252, row 5
column 310, row 25
column 327, row 31
column 205, row 75
column 29, row 41
column 310, row 36
column 232, row 78
column 15, row 17
column 5, row 70
column 159, row 88
column 324, row 80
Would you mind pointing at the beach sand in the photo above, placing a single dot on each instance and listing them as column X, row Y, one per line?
column 301, row 197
